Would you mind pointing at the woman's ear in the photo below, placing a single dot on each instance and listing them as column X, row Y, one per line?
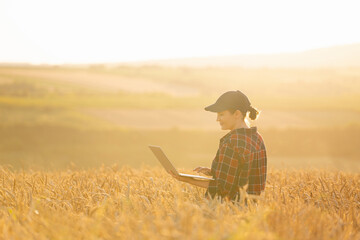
column 238, row 114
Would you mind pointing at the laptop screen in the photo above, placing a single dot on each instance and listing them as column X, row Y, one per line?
column 160, row 155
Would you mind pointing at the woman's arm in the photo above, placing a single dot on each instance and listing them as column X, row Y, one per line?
column 204, row 170
column 198, row 183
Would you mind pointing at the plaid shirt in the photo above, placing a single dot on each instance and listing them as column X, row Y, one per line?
column 240, row 160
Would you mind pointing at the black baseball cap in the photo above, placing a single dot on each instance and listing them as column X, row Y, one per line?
column 230, row 100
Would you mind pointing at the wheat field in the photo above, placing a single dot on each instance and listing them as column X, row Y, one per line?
column 74, row 162
column 126, row 203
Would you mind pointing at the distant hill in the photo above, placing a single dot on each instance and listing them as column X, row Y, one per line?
column 338, row 56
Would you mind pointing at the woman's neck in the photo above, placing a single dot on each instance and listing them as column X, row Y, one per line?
column 240, row 124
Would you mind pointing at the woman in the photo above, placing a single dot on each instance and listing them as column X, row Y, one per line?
column 241, row 158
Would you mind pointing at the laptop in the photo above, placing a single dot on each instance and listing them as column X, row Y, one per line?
column 165, row 162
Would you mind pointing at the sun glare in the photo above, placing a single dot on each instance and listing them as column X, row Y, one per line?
column 112, row 31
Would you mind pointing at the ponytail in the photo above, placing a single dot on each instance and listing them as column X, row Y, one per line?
column 253, row 113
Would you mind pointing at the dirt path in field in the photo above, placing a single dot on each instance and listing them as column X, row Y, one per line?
column 156, row 119
column 200, row 119
column 102, row 81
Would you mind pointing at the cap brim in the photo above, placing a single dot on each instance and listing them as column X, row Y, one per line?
column 214, row 108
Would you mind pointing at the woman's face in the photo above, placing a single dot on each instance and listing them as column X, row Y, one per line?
column 227, row 120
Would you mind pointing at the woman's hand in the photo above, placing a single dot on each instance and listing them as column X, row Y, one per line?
column 204, row 170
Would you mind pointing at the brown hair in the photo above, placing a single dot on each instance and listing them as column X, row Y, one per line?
column 253, row 112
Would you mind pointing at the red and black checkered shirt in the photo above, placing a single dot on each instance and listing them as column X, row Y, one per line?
column 240, row 160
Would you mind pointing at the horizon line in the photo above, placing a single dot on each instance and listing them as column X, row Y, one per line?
column 147, row 61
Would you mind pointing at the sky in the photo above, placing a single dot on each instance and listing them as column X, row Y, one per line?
column 86, row 31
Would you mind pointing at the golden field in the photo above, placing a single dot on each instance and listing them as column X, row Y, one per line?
column 127, row 203
column 75, row 162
